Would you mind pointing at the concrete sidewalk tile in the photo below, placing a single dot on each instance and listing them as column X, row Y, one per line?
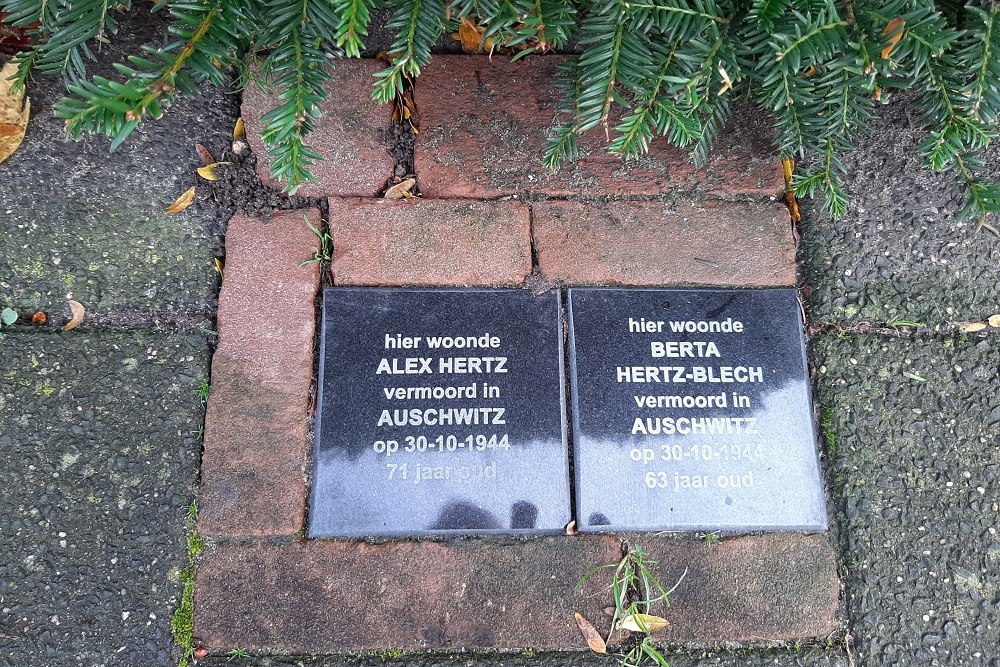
column 401, row 595
column 484, row 124
column 428, row 242
column 655, row 243
column 255, row 425
column 751, row 588
column 350, row 134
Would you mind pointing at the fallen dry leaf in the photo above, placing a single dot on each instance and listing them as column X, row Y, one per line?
column 14, row 112
column 594, row 639
column 994, row 320
column 470, row 34
column 219, row 266
column 971, row 327
column 181, row 202
column 401, row 190
column 208, row 171
column 78, row 311
column 571, row 528
column 787, row 168
column 205, row 155
column 39, row 318
column 239, row 131
column 894, row 31
column 642, row 623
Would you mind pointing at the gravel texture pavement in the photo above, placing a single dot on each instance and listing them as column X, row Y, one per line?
column 100, row 448
column 913, row 436
column 82, row 223
column 899, row 253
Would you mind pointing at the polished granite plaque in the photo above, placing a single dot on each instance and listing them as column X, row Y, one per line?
column 691, row 411
column 441, row 411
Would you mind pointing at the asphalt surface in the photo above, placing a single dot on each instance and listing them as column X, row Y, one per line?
column 100, row 450
column 82, row 223
column 900, row 253
column 99, row 427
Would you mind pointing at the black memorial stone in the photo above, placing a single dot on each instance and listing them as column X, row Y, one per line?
column 441, row 411
column 691, row 411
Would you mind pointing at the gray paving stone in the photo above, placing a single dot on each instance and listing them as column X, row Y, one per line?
column 80, row 222
column 98, row 459
column 915, row 465
column 899, row 253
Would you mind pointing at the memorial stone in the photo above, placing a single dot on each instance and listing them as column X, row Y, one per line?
column 691, row 411
column 441, row 411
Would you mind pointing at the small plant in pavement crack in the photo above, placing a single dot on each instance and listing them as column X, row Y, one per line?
column 325, row 252
column 637, row 593
column 182, row 622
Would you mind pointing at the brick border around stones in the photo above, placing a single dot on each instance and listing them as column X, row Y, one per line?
column 259, row 588
column 476, row 593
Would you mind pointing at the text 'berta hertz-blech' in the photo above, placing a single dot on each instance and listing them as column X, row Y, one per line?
column 691, row 411
column 441, row 412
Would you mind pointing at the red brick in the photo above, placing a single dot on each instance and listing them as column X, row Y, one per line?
column 492, row 594
column 755, row 588
column 252, row 480
column 483, row 128
column 710, row 242
column 430, row 242
column 326, row 596
column 350, row 134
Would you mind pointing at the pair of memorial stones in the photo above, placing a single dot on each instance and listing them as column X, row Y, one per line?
column 445, row 411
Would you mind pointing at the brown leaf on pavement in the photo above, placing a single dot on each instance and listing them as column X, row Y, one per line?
column 14, row 112
column 208, row 171
column 181, row 202
column 594, row 639
column 204, row 154
column 971, row 327
column 239, row 131
column 78, row 311
column 787, row 167
column 643, row 623
column 401, row 190
column 894, row 30
column 470, row 34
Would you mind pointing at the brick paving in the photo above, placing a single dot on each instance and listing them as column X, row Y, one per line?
column 490, row 215
column 350, row 134
column 255, row 425
column 483, row 128
column 703, row 242
column 430, row 242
